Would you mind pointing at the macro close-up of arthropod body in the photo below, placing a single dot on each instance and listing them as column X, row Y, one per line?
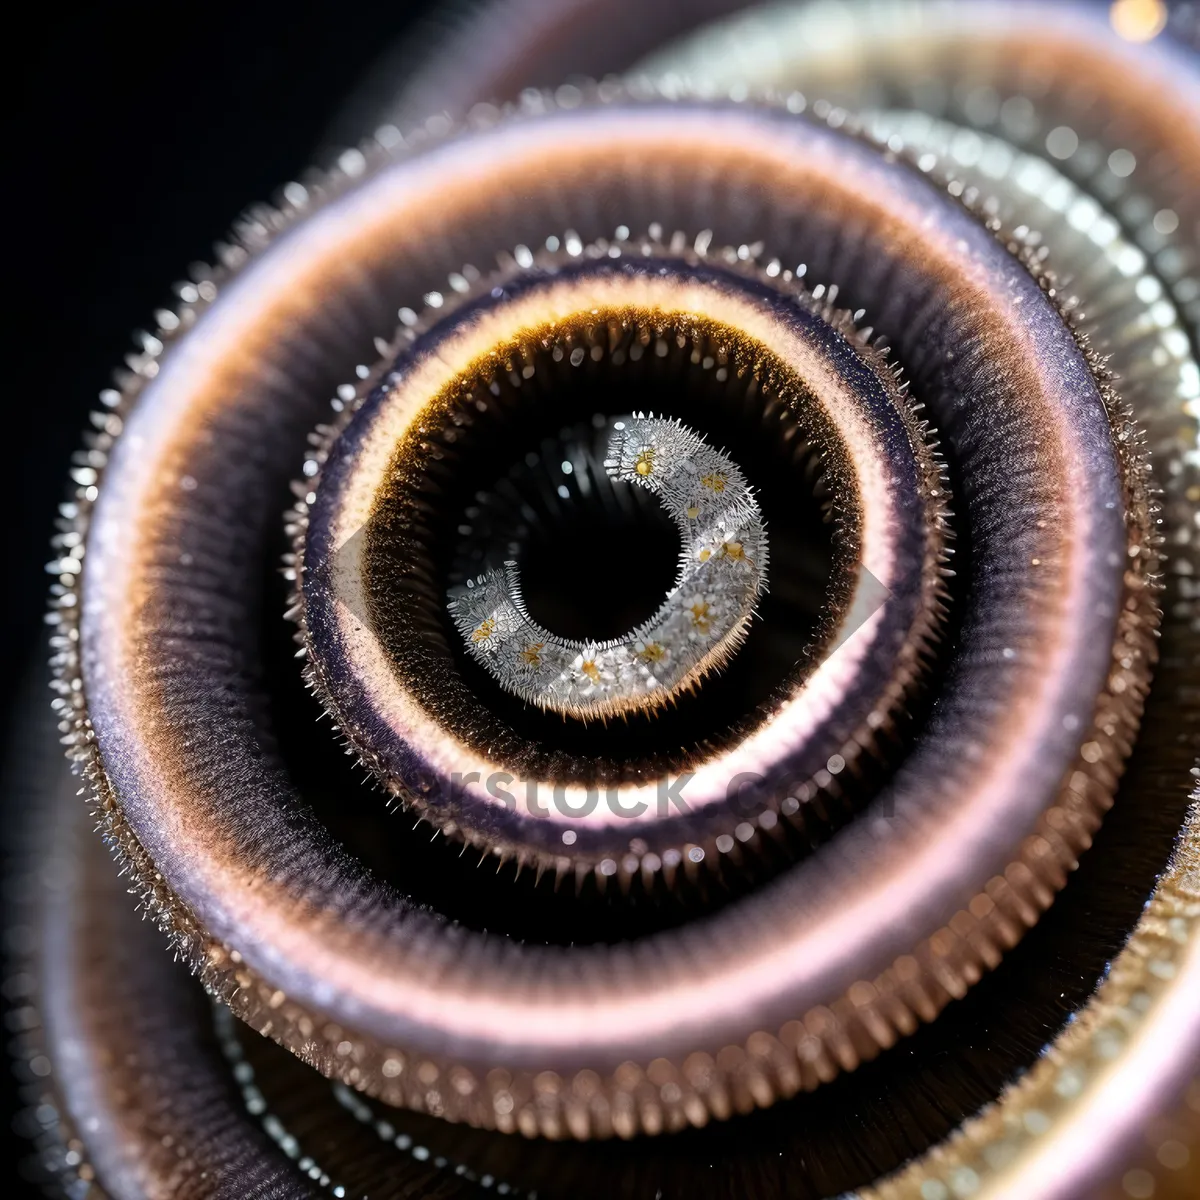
column 636, row 633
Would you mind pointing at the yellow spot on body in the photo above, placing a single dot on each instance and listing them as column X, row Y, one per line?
column 651, row 652
column 645, row 462
column 733, row 550
column 484, row 631
column 714, row 482
column 1138, row 20
column 700, row 618
column 592, row 671
column 532, row 655
column 705, row 555
column 693, row 511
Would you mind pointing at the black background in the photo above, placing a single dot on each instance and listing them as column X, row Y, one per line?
column 133, row 134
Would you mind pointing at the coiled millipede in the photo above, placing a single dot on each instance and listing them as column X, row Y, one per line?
column 762, row 897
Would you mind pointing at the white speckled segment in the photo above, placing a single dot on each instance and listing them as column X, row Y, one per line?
column 698, row 626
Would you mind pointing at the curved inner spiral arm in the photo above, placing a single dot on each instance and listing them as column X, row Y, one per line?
column 702, row 621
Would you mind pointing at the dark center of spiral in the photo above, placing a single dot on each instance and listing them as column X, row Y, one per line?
column 588, row 520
